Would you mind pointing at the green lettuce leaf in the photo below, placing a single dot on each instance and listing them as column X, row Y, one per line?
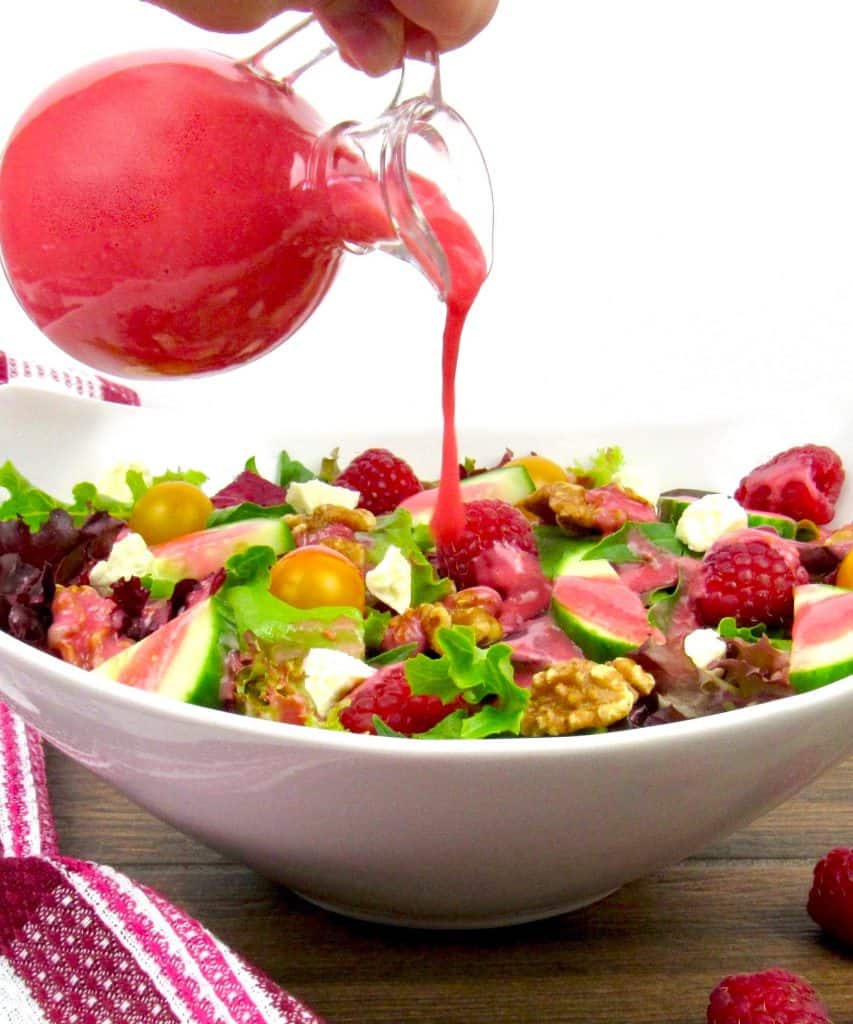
column 250, row 566
column 24, row 500
column 34, row 505
column 729, row 629
column 664, row 603
column 247, row 602
column 423, row 537
column 556, row 548
column 615, row 547
column 374, row 627
column 189, row 476
column 394, row 656
column 87, row 500
column 156, row 587
column 257, row 611
column 291, row 471
column 385, row 730
column 599, row 470
column 449, row 728
column 247, row 510
column 483, row 676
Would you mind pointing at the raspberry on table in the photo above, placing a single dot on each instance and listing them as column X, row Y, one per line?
column 387, row 695
column 382, row 479
column 749, row 575
column 488, row 522
column 830, row 901
column 774, row 996
column 802, row 482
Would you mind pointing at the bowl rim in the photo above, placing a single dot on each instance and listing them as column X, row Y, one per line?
column 158, row 706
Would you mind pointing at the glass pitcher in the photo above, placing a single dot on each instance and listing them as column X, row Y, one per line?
column 176, row 212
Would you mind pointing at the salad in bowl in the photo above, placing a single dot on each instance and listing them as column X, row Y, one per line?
column 598, row 679
column 316, row 595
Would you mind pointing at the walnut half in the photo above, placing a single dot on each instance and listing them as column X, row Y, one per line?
column 479, row 608
column 335, row 527
column 580, row 694
column 563, row 504
column 356, row 519
column 416, row 625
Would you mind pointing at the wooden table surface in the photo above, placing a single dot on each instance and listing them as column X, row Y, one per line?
column 650, row 953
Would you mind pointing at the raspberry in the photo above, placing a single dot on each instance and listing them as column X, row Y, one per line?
column 749, row 575
column 387, row 695
column 831, row 898
column 487, row 522
column 803, row 483
column 773, row 996
column 382, row 478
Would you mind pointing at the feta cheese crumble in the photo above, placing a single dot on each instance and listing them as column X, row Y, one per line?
column 330, row 675
column 707, row 519
column 129, row 557
column 307, row 496
column 391, row 580
column 704, row 646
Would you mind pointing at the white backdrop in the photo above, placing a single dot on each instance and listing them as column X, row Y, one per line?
column 674, row 219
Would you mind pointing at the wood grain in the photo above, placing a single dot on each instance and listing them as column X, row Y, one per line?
column 649, row 954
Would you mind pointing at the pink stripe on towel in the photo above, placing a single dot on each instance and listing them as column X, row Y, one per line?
column 81, row 943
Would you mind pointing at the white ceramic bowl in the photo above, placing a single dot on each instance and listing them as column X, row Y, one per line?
column 422, row 833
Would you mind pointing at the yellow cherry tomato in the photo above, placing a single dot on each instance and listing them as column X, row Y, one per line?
column 542, row 471
column 169, row 510
column 845, row 572
column 317, row 577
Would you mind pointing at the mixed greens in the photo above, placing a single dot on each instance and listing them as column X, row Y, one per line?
column 570, row 603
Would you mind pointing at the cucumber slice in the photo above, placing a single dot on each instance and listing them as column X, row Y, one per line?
column 603, row 616
column 671, row 504
column 196, row 555
column 783, row 525
column 821, row 637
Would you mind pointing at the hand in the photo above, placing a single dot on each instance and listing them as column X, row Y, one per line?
column 371, row 34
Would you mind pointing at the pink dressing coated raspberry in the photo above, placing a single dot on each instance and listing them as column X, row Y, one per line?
column 382, row 479
column 488, row 522
column 802, row 482
column 831, row 897
column 517, row 577
column 749, row 575
column 774, row 996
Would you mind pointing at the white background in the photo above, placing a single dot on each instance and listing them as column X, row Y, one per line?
column 674, row 220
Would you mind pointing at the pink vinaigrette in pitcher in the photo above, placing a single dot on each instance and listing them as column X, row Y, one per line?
column 173, row 213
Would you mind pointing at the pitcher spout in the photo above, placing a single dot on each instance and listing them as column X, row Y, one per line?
column 408, row 182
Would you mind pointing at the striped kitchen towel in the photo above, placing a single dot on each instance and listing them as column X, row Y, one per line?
column 81, row 943
column 81, row 383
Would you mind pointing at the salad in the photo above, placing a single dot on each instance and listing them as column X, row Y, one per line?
column 571, row 602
